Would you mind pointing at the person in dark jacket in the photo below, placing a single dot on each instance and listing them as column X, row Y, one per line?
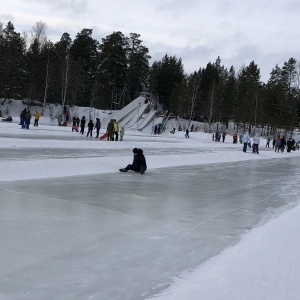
column 110, row 130
column 289, row 144
column 139, row 162
column 82, row 125
column 74, row 124
column 23, row 118
column 8, row 119
column 90, row 128
column 97, row 127
column 187, row 133
column 282, row 144
column 27, row 117
column 77, row 121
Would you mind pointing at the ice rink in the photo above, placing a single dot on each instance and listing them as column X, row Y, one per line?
column 125, row 236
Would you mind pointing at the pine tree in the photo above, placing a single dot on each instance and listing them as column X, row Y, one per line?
column 84, row 53
column 138, row 65
column 12, row 63
column 113, row 68
column 165, row 76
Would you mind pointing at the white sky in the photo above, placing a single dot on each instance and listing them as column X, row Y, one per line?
column 198, row 31
column 264, row 265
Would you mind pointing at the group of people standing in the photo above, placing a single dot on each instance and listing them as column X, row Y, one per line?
column 25, row 118
column 247, row 142
column 113, row 131
column 91, row 126
column 217, row 137
column 279, row 143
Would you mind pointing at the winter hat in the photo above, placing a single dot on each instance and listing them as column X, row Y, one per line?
column 135, row 150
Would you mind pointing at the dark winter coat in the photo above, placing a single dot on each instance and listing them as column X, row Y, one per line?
column 82, row 122
column 91, row 125
column 139, row 160
column 289, row 145
column 110, row 127
column 98, row 124
column 23, row 113
column 283, row 142
column 28, row 115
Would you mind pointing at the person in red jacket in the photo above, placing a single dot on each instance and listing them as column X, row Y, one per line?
column 235, row 137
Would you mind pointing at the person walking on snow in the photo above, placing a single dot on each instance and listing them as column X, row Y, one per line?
column 246, row 140
column 116, row 129
column 138, row 164
column 23, row 118
column 82, row 124
column 122, row 131
column 274, row 142
column 28, row 117
column 59, row 120
column 255, row 144
column 282, row 144
column 268, row 142
column 97, row 126
column 241, row 139
column 289, row 144
column 234, row 138
column 36, row 118
column 187, row 133
column 277, row 144
column 90, row 128
column 74, row 124
column 223, row 137
column 110, row 130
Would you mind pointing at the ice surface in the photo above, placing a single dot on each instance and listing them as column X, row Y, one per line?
column 125, row 236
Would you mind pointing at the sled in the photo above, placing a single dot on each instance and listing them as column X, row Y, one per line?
column 102, row 137
column 75, row 128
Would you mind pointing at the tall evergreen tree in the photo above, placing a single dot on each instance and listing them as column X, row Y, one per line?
column 48, row 56
column 165, row 76
column 138, row 65
column 34, row 65
column 113, row 68
column 84, row 52
column 12, row 63
column 64, row 69
column 248, row 95
column 289, row 80
column 230, row 95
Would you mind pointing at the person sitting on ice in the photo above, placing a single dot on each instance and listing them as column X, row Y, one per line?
column 8, row 119
column 138, row 164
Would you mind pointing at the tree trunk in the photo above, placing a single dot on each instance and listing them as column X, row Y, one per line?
column 211, row 106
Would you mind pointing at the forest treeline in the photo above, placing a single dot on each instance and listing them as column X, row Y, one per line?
column 109, row 74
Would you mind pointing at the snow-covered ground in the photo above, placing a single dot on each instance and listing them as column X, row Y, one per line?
column 265, row 264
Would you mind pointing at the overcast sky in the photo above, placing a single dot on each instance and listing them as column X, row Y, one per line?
column 197, row 31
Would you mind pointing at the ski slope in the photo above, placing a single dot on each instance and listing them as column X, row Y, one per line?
column 121, row 114
column 147, row 120
column 138, row 113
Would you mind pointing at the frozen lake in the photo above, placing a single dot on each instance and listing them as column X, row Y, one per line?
column 125, row 236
